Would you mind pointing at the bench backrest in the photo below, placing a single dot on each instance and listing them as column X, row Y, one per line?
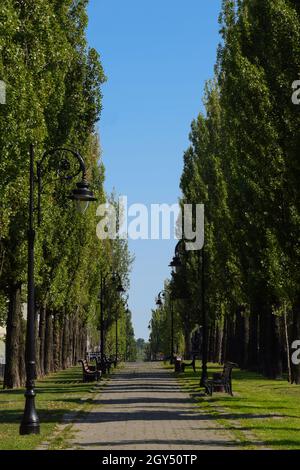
column 227, row 370
column 84, row 365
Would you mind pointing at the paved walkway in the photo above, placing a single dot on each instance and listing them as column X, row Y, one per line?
column 142, row 407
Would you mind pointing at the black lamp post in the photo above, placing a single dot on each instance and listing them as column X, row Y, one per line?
column 116, row 279
column 204, row 322
column 30, row 421
column 127, row 349
column 102, row 293
column 176, row 265
column 117, row 343
column 120, row 290
column 159, row 303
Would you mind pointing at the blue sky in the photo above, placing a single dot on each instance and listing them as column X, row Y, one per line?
column 157, row 55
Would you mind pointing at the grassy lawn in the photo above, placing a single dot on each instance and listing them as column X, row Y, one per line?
column 261, row 414
column 57, row 395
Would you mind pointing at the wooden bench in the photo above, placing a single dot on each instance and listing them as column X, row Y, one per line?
column 180, row 366
column 104, row 365
column 221, row 381
column 192, row 364
column 89, row 373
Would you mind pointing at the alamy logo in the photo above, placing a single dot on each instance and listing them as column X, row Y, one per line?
column 296, row 354
column 162, row 221
column 2, row 92
column 296, row 94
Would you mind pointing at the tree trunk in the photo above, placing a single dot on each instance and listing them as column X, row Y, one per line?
column 22, row 345
column 224, row 341
column 220, row 333
column 242, row 338
column 238, row 351
column 56, row 344
column 253, row 350
column 84, row 341
column 76, row 340
column 230, row 340
column 65, row 343
column 287, row 345
column 37, row 343
column 296, row 337
column 42, row 333
column 277, row 347
column 71, row 338
column 187, row 341
column 270, row 344
column 12, row 377
column 48, row 365
column 212, row 342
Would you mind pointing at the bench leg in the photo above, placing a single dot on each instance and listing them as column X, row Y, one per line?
column 208, row 389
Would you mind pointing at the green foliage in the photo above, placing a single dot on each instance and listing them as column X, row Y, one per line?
column 263, row 414
column 243, row 165
column 58, row 395
column 54, row 99
column 160, row 326
column 141, row 348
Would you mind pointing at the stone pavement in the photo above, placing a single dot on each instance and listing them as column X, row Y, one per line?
column 142, row 407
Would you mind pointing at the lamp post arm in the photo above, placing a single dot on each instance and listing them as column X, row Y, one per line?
column 49, row 154
column 62, row 165
column 178, row 246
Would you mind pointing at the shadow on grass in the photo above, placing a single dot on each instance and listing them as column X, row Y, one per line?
column 61, row 391
column 240, row 375
column 45, row 389
column 45, row 415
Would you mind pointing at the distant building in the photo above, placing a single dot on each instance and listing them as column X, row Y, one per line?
column 3, row 333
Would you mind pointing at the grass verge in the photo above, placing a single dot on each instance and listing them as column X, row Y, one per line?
column 262, row 413
column 58, row 395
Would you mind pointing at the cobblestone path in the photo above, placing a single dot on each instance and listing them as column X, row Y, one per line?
column 143, row 407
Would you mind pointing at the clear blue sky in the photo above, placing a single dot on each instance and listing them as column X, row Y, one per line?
column 157, row 55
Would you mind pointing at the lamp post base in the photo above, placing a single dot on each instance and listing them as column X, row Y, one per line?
column 29, row 428
column 30, row 423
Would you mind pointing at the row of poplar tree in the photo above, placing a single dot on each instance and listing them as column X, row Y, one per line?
column 243, row 165
column 53, row 99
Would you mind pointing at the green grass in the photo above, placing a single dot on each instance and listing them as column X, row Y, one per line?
column 57, row 395
column 262, row 413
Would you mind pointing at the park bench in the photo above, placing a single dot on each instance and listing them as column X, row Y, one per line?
column 180, row 366
column 192, row 364
column 89, row 373
column 104, row 365
column 221, row 381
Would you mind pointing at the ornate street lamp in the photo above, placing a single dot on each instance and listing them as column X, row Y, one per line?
column 30, row 421
column 120, row 290
column 127, row 349
column 176, row 266
column 159, row 304
column 176, row 263
column 116, row 280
